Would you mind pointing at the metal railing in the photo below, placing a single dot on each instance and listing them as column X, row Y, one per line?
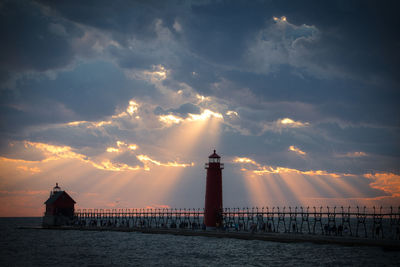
column 357, row 222
column 378, row 223
column 142, row 218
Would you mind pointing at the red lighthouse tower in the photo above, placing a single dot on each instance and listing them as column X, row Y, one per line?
column 213, row 203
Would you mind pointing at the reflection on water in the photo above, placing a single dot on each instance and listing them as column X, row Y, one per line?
column 21, row 247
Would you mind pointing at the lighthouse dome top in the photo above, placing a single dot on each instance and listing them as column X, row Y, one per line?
column 56, row 188
column 214, row 155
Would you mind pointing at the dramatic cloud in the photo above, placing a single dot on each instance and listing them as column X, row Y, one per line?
column 54, row 153
column 283, row 43
column 297, row 150
column 261, row 169
column 304, row 187
column 126, row 101
column 388, row 182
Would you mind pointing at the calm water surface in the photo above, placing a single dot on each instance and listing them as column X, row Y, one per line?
column 21, row 247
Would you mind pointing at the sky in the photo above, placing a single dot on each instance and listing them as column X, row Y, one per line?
column 122, row 102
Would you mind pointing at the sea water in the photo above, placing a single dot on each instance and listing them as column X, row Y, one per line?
column 33, row 247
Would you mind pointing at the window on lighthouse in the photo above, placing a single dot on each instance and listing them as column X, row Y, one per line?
column 214, row 160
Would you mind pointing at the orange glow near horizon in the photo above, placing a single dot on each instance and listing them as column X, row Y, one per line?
column 267, row 184
column 388, row 182
column 83, row 172
column 279, row 187
column 146, row 188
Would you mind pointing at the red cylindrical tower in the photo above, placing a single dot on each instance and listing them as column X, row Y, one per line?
column 213, row 203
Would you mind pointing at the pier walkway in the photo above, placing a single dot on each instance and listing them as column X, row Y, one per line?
column 374, row 223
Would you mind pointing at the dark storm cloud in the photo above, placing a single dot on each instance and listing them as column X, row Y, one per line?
column 348, row 100
column 359, row 35
column 226, row 35
column 123, row 19
column 364, row 137
column 353, row 36
column 133, row 59
column 350, row 42
column 33, row 40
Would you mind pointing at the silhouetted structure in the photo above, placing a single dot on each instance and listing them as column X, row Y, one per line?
column 59, row 208
column 375, row 223
column 213, row 201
